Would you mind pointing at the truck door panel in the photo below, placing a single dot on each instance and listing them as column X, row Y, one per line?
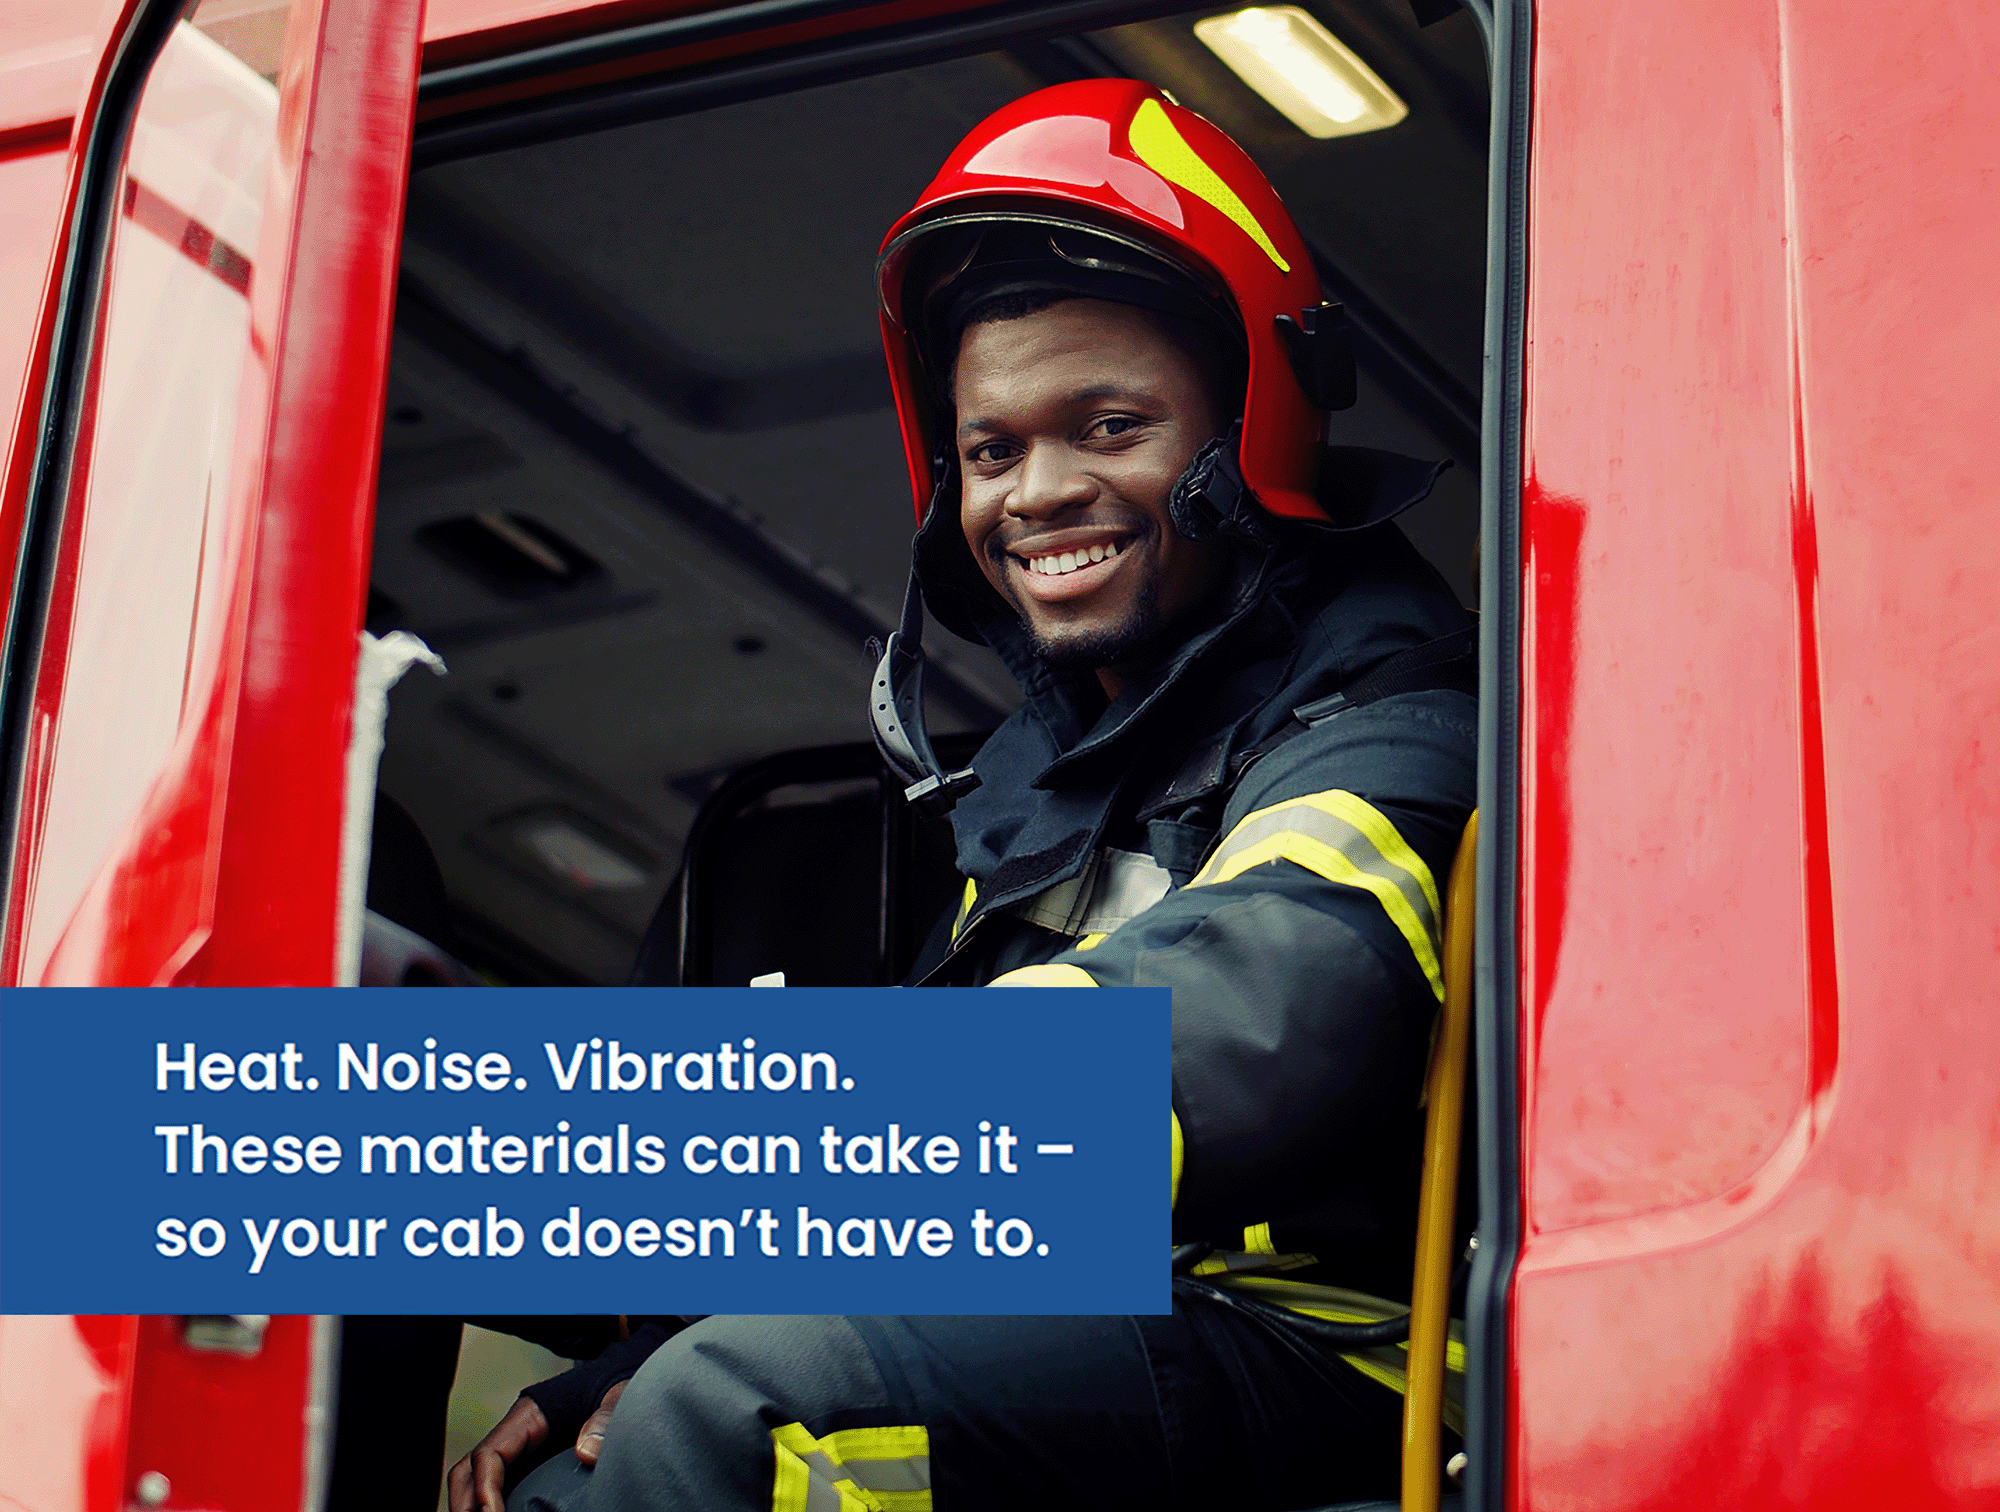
column 1758, row 873
column 181, row 781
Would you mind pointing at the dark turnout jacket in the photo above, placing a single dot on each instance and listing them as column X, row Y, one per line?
column 1288, row 890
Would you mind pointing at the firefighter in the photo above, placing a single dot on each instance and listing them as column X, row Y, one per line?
column 1246, row 754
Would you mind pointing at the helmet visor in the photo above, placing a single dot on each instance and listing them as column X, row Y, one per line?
column 937, row 275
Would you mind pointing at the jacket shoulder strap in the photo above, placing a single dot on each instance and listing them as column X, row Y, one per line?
column 1449, row 663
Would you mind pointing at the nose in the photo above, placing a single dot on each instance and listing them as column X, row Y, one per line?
column 1048, row 482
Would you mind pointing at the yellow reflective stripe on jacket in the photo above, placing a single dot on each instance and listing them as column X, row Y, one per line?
column 852, row 1470
column 1090, row 941
column 1047, row 974
column 1340, row 837
column 1231, row 1262
column 1257, row 1240
column 1180, row 1157
column 965, row 906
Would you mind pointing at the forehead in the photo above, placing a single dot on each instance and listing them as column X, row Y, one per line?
column 1088, row 342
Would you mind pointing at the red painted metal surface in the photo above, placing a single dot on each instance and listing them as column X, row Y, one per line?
column 193, row 836
column 343, row 173
column 458, row 29
column 133, row 643
column 1760, row 870
column 88, row 1406
column 65, row 1406
column 31, row 197
column 48, row 49
column 505, row 29
column 234, row 1433
column 39, row 27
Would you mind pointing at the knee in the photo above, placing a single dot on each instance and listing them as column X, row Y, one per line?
column 694, row 1427
column 556, row 1486
column 730, row 1369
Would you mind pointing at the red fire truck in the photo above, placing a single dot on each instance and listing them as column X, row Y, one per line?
column 535, row 339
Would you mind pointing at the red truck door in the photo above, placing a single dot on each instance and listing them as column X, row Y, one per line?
column 193, row 476
column 1760, row 847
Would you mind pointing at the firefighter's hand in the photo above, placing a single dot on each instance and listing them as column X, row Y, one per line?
column 475, row 1483
column 590, row 1442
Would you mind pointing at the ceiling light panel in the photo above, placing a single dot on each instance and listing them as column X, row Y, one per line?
column 1312, row 78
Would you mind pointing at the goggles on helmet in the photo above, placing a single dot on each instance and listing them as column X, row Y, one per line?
column 950, row 265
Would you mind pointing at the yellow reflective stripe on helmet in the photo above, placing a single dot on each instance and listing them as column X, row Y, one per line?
column 1180, row 1156
column 852, row 1470
column 1048, row 974
column 1164, row 150
column 1340, row 837
column 965, row 906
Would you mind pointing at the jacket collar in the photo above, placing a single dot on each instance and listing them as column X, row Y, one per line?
column 1303, row 617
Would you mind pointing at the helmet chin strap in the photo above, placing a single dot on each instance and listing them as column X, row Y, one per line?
column 896, row 715
column 896, row 698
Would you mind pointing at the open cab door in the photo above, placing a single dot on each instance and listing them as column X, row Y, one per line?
column 187, row 505
column 192, row 479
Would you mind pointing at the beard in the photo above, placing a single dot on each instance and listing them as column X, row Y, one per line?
column 1085, row 649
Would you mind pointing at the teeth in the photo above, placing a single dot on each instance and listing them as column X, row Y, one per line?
column 1069, row 561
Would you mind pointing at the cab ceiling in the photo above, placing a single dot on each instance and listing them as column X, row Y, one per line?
column 641, row 482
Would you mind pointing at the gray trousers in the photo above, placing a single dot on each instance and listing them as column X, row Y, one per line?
column 1202, row 1408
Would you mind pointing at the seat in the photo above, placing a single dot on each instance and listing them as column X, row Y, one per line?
column 806, row 862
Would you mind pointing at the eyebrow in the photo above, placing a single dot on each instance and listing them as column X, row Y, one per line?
column 1089, row 395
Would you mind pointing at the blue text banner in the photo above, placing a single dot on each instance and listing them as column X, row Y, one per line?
column 638, row 1151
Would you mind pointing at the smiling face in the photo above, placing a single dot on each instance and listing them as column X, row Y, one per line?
column 1074, row 424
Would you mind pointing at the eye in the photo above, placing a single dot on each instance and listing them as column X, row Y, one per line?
column 1116, row 425
column 992, row 453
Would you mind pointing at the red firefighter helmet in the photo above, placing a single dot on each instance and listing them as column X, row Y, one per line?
column 1129, row 183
